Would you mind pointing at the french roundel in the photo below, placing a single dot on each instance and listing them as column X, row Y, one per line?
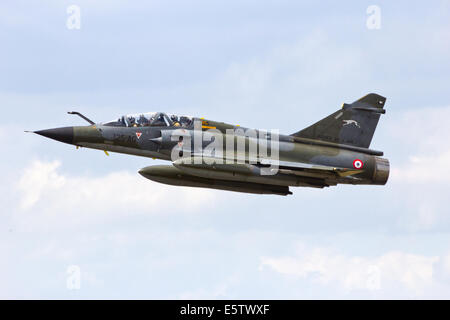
column 358, row 164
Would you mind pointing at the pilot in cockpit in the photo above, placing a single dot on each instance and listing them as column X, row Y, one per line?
column 159, row 121
column 143, row 121
column 174, row 119
column 185, row 121
column 132, row 121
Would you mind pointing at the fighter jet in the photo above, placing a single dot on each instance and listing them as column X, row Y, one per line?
column 217, row 155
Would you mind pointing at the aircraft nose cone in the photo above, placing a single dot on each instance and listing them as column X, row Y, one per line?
column 59, row 134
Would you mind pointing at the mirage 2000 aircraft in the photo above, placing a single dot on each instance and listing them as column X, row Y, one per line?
column 210, row 154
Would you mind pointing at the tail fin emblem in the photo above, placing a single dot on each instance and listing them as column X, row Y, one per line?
column 348, row 122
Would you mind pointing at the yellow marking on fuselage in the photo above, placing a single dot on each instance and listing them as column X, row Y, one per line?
column 208, row 127
column 349, row 173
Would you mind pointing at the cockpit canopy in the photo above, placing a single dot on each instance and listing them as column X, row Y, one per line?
column 151, row 119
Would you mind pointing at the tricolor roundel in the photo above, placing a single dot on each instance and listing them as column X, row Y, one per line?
column 138, row 134
column 358, row 164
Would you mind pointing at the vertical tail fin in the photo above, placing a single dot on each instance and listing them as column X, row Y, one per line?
column 353, row 125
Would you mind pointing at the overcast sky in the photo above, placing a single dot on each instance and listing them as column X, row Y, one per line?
column 261, row 64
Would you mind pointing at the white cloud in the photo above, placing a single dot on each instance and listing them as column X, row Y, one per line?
column 423, row 130
column 40, row 178
column 284, row 78
column 394, row 270
column 420, row 171
column 47, row 196
column 425, row 168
